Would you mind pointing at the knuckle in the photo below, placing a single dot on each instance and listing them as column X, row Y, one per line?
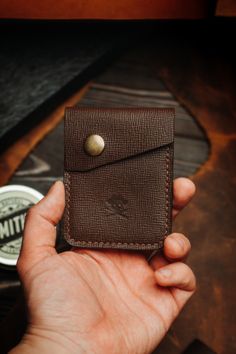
column 184, row 245
column 176, row 235
column 184, row 240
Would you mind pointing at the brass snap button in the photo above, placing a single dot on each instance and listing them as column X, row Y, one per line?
column 94, row 145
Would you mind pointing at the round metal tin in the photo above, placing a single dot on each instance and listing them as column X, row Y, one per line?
column 15, row 200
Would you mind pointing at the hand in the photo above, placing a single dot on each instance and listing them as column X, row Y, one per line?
column 99, row 301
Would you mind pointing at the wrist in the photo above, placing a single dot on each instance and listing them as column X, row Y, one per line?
column 47, row 342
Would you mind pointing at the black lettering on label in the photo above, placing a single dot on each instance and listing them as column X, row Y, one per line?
column 12, row 226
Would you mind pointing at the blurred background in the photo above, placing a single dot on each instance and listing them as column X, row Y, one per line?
column 158, row 53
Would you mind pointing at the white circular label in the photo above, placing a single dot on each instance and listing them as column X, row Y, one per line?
column 15, row 200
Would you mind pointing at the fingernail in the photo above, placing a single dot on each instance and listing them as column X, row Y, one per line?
column 54, row 184
column 180, row 242
column 165, row 272
column 52, row 187
column 51, row 190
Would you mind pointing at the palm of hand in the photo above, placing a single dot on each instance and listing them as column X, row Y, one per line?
column 99, row 301
column 100, row 293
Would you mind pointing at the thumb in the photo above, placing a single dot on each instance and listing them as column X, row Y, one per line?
column 40, row 232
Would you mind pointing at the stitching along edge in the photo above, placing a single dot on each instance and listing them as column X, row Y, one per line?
column 167, row 188
column 100, row 244
column 67, row 214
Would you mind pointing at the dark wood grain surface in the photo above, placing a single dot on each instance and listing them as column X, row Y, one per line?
column 41, row 65
column 127, row 83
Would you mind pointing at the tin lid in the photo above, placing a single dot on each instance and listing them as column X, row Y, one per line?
column 15, row 200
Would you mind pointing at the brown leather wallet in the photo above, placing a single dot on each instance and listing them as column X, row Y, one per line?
column 118, row 177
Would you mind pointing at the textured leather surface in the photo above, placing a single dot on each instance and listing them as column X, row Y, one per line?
column 123, row 197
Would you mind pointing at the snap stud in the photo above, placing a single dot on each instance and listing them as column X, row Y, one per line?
column 94, row 145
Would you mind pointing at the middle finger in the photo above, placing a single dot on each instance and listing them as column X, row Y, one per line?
column 176, row 248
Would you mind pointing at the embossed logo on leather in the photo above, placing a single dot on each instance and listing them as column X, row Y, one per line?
column 117, row 205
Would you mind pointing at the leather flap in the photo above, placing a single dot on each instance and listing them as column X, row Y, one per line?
column 126, row 133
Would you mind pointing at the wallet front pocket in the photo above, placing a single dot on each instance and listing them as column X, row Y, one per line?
column 118, row 177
